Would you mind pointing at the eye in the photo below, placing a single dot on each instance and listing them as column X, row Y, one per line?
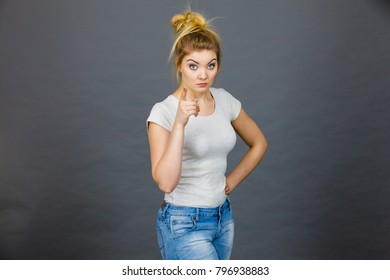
column 193, row 66
column 211, row 66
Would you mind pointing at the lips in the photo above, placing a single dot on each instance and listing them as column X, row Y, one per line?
column 202, row 85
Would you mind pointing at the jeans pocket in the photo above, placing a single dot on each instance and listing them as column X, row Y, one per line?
column 182, row 225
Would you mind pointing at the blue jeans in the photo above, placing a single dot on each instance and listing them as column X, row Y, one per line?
column 187, row 233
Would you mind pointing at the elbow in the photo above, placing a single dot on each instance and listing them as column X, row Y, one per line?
column 166, row 183
column 260, row 147
column 264, row 145
column 167, row 189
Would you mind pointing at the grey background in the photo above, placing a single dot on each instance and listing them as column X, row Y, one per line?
column 77, row 82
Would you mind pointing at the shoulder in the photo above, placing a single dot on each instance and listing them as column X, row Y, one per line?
column 166, row 108
column 165, row 105
column 163, row 113
column 222, row 94
column 227, row 101
column 219, row 92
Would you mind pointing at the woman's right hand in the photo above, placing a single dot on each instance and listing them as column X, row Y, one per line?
column 186, row 109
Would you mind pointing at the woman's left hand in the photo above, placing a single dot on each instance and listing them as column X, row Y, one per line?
column 227, row 190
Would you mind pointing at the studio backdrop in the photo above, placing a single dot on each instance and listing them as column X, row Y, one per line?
column 79, row 78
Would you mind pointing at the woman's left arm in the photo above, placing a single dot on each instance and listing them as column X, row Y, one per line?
column 251, row 134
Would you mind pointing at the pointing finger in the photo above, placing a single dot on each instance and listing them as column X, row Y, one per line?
column 184, row 94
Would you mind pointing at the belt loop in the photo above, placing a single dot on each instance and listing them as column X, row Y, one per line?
column 197, row 214
column 164, row 208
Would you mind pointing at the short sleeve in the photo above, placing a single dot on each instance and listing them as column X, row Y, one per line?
column 234, row 106
column 161, row 115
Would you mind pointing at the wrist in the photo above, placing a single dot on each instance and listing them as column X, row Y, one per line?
column 178, row 125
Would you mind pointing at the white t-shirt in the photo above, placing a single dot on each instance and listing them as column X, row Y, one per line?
column 207, row 143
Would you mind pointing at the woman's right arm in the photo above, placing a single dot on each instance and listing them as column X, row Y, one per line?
column 166, row 148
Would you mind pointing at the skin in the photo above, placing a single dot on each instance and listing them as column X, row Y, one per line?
column 198, row 71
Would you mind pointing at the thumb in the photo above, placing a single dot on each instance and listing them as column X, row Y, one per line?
column 183, row 95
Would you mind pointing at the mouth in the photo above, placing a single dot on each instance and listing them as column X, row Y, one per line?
column 202, row 85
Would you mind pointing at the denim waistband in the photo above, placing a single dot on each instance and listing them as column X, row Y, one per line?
column 184, row 210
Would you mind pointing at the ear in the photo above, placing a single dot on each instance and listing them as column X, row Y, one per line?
column 178, row 66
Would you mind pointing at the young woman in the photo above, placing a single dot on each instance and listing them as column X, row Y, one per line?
column 190, row 134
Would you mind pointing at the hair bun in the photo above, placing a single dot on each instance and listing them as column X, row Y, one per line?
column 188, row 19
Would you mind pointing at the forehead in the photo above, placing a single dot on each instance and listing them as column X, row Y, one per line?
column 201, row 56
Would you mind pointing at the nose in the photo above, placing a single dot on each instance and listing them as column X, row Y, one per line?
column 203, row 75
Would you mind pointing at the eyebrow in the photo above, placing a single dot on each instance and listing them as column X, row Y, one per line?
column 198, row 62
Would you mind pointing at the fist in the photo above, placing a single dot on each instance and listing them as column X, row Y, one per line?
column 186, row 108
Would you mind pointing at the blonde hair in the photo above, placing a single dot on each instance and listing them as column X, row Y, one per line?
column 192, row 32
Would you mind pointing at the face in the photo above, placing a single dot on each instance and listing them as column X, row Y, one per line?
column 199, row 69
